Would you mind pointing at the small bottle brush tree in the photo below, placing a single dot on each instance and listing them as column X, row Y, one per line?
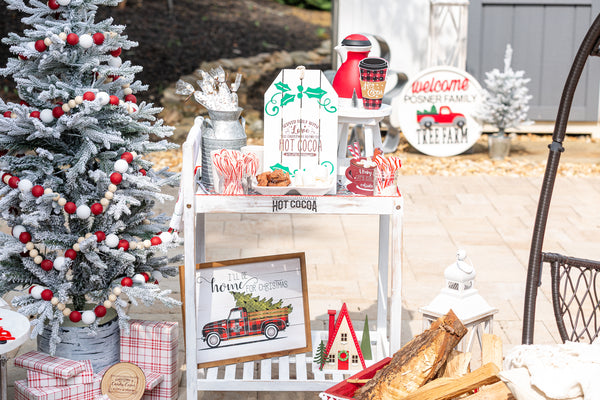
column 505, row 101
column 75, row 189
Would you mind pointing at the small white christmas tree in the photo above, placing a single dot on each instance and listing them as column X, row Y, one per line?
column 505, row 102
column 75, row 188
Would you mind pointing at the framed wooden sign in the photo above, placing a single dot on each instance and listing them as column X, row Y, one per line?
column 251, row 309
column 301, row 116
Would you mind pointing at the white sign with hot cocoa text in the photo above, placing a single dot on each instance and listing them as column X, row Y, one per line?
column 300, row 117
column 435, row 111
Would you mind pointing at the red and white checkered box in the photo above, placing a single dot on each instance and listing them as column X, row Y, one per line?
column 38, row 380
column 74, row 392
column 152, row 346
column 46, row 364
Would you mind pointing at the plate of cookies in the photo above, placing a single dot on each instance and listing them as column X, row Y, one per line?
column 279, row 182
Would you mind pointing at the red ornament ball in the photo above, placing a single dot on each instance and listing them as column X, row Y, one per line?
column 70, row 253
column 72, row 39
column 100, row 236
column 57, row 112
column 70, row 207
column 7, row 114
column 123, row 244
column 116, row 178
column 155, row 241
column 13, row 182
column 25, row 237
column 47, row 294
column 22, row 57
column 131, row 98
column 96, row 208
column 35, row 114
column 143, row 171
column 40, row 45
column 89, row 96
column 100, row 311
column 127, row 156
column 114, row 100
column 37, row 191
column 53, row 4
column 116, row 53
column 98, row 38
column 146, row 276
column 127, row 281
column 47, row 265
column 75, row 316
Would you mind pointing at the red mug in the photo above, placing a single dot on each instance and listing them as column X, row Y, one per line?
column 360, row 177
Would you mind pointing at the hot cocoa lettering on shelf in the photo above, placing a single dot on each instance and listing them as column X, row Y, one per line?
column 443, row 135
column 283, row 204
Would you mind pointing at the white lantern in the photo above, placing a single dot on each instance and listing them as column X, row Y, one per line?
column 460, row 296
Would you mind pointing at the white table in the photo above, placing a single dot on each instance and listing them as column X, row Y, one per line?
column 196, row 205
column 14, row 330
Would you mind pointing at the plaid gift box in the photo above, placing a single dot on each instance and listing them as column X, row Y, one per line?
column 74, row 392
column 152, row 346
column 38, row 380
column 50, row 365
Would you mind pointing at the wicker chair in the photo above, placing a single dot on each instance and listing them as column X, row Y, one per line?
column 575, row 282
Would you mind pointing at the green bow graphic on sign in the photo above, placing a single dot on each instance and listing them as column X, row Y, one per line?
column 272, row 108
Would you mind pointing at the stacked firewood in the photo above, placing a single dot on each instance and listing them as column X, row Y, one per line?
column 427, row 368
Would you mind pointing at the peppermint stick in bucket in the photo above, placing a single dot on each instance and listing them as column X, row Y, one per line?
column 233, row 167
column 385, row 175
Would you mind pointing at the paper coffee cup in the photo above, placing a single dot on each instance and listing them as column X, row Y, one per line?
column 373, row 71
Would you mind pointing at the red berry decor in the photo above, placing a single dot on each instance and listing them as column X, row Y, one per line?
column 25, row 237
column 37, row 190
column 72, row 39
column 127, row 156
column 35, row 114
column 100, row 236
column 70, row 253
column 75, row 316
column 57, row 112
column 22, row 57
column 53, row 4
column 98, row 38
column 146, row 276
column 47, row 265
column 127, row 281
column 40, row 45
column 100, row 311
column 116, row 178
column 116, row 53
column 143, row 171
column 155, row 241
column 70, row 207
column 114, row 100
column 89, row 96
column 47, row 295
column 131, row 98
column 13, row 182
column 96, row 208
column 7, row 114
column 123, row 244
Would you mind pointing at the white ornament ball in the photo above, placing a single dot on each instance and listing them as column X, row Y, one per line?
column 78, row 100
column 25, row 185
column 36, row 292
column 86, row 41
column 121, row 166
column 115, row 62
column 47, row 42
column 88, row 317
column 80, row 239
column 112, row 297
column 112, row 240
column 132, row 245
column 64, row 2
column 166, row 237
column 62, row 35
column 109, row 195
column 127, row 91
column 138, row 278
column 33, row 253
column 47, row 191
column 104, row 202
column 88, row 235
column 76, row 247
column 112, row 187
column 117, row 290
column 62, row 201
column 31, row 46
column 66, row 108
column 60, row 263
column 83, row 212
column 103, row 98
column 60, row 306
column 72, row 103
column 67, row 311
column 147, row 243
column 132, row 107
column 38, row 259
column 157, row 275
column 29, row 246
column 54, row 301
column 108, row 303
column 46, row 116
column 17, row 230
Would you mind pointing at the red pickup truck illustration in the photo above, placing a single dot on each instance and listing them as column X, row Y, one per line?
column 445, row 116
column 241, row 323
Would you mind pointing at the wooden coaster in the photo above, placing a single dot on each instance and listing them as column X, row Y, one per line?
column 124, row 381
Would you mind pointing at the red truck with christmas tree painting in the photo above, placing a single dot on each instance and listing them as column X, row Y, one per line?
column 252, row 316
column 445, row 116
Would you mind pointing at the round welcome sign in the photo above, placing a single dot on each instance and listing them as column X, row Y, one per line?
column 435, row 111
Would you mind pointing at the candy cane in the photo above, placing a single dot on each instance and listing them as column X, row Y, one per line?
column 354, row 150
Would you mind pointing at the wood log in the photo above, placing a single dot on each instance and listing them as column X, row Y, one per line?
column 449, row 388
column 491, row 350
column 496, row 391
column 457, row 364
column 416, row 362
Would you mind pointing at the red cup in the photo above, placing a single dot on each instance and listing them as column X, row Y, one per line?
column 373, row 71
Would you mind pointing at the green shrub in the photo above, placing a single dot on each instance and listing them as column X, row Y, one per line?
column 318, row 4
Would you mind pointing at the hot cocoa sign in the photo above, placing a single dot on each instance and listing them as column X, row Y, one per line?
column 435, row 111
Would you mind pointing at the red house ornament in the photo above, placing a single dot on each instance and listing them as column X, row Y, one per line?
column 343, row 348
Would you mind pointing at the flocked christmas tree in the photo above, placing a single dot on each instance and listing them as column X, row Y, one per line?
column 505, row 101
column 75, row 188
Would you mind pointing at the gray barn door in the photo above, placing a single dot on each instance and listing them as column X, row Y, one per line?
column 545, row 35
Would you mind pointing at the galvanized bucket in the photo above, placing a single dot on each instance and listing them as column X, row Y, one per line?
column 224, row 130
column 102, row 349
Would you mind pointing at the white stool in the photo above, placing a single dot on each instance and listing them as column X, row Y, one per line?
column 370, row 120
column 14, row 330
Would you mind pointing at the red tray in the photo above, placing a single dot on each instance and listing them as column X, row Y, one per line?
column 345, row 390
